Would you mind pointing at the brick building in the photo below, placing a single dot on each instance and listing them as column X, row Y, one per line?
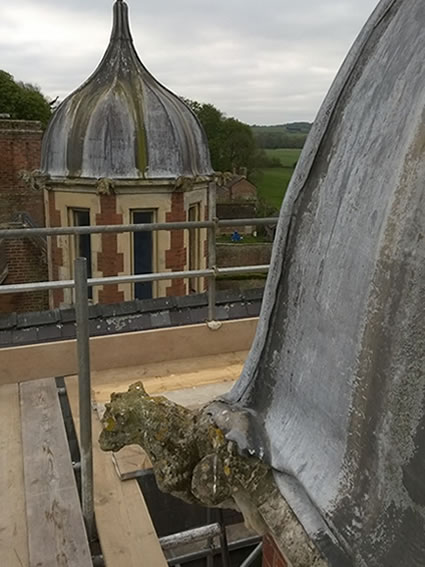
column 21, row 205
column 123, row 149
column 237, row 190
column 237, row 199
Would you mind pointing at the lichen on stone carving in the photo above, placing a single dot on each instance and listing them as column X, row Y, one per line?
column 184, row 183
column 190, row 455
column 194, row 460
column 105, row 186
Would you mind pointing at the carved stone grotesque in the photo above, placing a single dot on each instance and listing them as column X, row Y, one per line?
column 105, row 186
column 35, row 180
column 191, row 457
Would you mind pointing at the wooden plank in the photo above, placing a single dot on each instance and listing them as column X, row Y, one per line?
column 171, row 369
column 193, row 373
column 13, row 523
column 25, row 363
column 125, row 528
column 131, row 462
column 56, row 533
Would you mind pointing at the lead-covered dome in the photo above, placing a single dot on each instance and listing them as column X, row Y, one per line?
column 122, row 123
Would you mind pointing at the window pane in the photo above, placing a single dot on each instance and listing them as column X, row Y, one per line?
column 83, row 241
column 143, row 254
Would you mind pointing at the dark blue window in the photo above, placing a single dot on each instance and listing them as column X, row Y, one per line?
column 143, row 254
column 83, row 241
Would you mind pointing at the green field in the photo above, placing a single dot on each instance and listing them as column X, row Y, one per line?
column 272, row 182
column 288, row 156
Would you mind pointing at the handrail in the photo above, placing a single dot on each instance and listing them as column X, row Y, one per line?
column 40, row 241
column 145, row 227
column 3, row 261
column 152, row 277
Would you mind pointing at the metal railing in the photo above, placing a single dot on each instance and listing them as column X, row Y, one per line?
column 3, row 261
column 212, row 272
column 81, row 284
column 40, row 241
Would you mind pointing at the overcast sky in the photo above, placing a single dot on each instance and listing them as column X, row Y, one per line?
column 262, row 61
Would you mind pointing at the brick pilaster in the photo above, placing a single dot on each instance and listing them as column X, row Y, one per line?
column 109, row 261
column 56, row 252
column 176, row 256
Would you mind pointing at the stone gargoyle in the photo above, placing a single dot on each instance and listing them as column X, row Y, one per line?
column 190, row 455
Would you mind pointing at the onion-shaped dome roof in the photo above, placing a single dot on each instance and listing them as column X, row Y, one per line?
column 122, row 123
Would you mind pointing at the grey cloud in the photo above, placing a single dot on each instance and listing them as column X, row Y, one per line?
column 262, row 62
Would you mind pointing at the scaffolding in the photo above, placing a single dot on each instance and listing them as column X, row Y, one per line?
column 81, row 284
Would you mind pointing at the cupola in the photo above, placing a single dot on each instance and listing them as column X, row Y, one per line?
column 123, row 124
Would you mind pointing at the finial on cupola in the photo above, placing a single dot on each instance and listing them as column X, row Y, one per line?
column 121, row 27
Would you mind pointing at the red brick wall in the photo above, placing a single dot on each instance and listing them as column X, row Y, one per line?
column 110, row 262
column 239, row 254
column 175, row 257
column 25, row 264
column 20, row 150
column 272, row 556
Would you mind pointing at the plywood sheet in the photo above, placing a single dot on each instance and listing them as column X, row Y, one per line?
column 159, row 378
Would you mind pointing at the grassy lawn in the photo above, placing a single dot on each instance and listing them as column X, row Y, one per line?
column 272, row 183
column 247, row 239
column 287, row 156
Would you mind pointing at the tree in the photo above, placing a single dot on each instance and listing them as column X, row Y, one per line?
column 238, row 148
column 231, row 142
column 22, row 101
column 212, row 121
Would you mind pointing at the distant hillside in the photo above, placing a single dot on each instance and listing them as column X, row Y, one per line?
column 292, row 135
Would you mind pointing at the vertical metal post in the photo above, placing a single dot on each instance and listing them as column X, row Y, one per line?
column 253, row 556
column 212, row 251
column 210, row 541
column 225, row 555
column 84, row 388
